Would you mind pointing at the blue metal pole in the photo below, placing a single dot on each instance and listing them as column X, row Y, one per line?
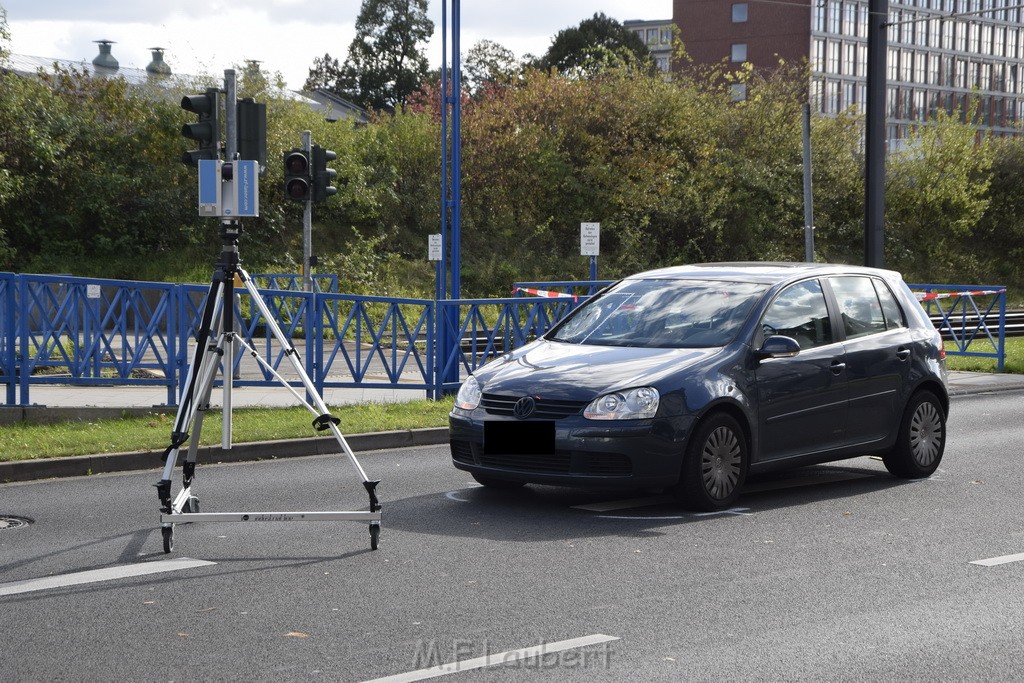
column 11, row 339
column 456, row 149
column 441, row 285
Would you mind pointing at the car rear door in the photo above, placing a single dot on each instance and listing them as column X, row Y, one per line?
column 802, row 401
column 878, row 349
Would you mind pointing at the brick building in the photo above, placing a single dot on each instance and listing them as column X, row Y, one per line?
column 935, row 61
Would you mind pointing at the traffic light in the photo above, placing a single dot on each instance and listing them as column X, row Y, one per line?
column 297, row 179
column 252, row 131
column 206, row 131
column 322, row 176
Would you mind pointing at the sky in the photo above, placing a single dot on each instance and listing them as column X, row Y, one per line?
column 209, row 36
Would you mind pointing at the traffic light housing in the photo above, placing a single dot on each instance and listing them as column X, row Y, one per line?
column 297, row 175
column 323, row 176
column 206, row 130
column 252, row 131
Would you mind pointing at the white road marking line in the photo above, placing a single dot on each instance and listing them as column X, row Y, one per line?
column 626, row 504
column 95, row 575
column 496, row 659
column 1005, row 559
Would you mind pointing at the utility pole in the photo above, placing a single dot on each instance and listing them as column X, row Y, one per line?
column 874, row 135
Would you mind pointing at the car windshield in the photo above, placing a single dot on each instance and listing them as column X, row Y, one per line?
column 661, row 314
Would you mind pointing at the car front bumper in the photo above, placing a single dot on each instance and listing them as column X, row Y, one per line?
column 571, row 451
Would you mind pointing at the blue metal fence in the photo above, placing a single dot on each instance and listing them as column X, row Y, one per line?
column 968, row 315
column 83, row 331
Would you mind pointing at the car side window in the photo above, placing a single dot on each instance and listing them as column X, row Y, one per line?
column 859, row 306
column 891, row 310
column 800, row 312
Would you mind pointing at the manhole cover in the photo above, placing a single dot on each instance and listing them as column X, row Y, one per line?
column 12, row 522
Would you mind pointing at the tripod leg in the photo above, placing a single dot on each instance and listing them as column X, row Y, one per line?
column 199, row 376
column 324, row 420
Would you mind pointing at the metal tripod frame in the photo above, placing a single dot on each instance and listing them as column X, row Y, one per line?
column 215, row 349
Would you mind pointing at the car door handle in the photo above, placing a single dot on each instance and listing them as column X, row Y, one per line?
column 837, row 367
column 902, row 353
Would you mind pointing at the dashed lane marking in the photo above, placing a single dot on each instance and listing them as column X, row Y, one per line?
column 97, row 575
column 508, row 658
column 1005, row 559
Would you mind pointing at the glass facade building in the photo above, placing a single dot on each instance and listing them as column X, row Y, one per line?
column 935, row 61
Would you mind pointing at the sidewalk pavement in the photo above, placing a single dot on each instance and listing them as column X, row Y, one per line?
column 56, row 403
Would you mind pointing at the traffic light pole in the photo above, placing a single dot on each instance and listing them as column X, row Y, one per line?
column 307, row 224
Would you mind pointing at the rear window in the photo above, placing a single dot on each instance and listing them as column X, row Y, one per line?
column 859, row 306
column 661, row 314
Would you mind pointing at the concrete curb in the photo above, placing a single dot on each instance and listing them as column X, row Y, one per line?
column 83, row 465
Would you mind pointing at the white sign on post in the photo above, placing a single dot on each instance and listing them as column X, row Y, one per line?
column 434, row 247
column 590, row 239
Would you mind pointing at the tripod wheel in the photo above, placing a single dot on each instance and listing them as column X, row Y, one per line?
column 168, row 533
column 374, row 536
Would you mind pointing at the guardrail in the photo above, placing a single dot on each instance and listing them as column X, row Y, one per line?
column 90, row 332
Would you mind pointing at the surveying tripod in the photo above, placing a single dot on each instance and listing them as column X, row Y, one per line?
column 215, row 348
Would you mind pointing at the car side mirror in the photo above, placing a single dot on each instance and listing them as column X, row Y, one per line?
column 778, row 346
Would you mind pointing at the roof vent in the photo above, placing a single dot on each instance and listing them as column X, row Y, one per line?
column 104, row 59
column 158, row 67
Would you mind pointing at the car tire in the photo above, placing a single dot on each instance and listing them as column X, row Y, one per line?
column 499, row 484
column 714, row 465
column 921, row 440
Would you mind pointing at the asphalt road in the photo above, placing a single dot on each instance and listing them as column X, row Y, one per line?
column 831, row 573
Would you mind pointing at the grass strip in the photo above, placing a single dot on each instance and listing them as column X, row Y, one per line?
column 1013, row 364
column 152, row 432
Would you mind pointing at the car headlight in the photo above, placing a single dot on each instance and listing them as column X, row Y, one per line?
column 468, row 397
column 634, row 404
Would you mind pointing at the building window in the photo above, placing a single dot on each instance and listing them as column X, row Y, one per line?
column 850, row 59
column 666, row 36
column 738, row 92
column 831, row 97
column 739, row 13
column 818, row 56
column 652, row 36
column 848, row 95
column 739, row 52
column 835, row 16
column 850, row 18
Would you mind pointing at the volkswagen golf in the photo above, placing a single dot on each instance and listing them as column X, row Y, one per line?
column 692, row 377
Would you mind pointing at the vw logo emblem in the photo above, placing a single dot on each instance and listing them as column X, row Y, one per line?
column 524, row 407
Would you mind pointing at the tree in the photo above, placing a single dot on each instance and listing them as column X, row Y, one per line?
column 576, row 48
column 489, row 64
column 385, row 61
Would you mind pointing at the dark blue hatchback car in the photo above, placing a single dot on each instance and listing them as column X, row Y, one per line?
column 691, row 377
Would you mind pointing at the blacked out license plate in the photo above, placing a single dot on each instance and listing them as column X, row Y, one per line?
column 534, row 437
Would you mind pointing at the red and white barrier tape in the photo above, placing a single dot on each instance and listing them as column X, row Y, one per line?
column 929, row 296
column 544, row 292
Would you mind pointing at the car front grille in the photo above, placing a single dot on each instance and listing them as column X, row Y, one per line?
column 462, row 451
column 561, row 462
column 609, row 464
column 546, row 409
column 553, row 462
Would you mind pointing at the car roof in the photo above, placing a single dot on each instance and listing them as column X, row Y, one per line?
column 759, row 271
